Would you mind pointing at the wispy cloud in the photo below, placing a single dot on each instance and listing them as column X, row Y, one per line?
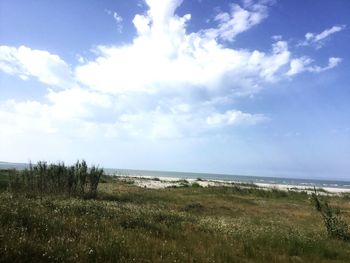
column 318, row 40
column 117, row 18
column 238, row 20
column 233, row 117
column 303, row 64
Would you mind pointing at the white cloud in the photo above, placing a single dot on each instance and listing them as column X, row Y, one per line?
column 81, row 114
column 237, row 20
column 318, row 40
column 142, row 24
column 72, row 112
column 167, row 83
column 26, row 117
column 77, row 103
column 332, row 62
column 164, row 55
column 25, row 62
column 276, row 37
column 232, row 117
column 302, row 64
column 298, row 65
column 117, row 18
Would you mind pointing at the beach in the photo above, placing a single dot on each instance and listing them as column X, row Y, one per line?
column 168, row 182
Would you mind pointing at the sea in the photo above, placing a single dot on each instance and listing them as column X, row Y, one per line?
column 236, row 178
column 212, row 176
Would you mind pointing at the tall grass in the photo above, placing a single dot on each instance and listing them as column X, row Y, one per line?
column 126, row 223
column 169, row 225
column 335, row 225
column 43, row 178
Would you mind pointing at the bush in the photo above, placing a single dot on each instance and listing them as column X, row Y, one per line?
column 196, row 185
column 336, row 227
column 76, row 180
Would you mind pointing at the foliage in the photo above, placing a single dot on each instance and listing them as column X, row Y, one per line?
column 126, row 223
column 196, row 185
column 43, row 178
column 336, row 227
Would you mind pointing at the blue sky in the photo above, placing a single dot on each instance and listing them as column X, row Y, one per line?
column 255, row 87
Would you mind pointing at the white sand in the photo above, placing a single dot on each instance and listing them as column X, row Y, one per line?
column 302, row 188
column 164, row 182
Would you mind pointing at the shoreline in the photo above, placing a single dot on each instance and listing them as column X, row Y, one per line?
column 161, row 182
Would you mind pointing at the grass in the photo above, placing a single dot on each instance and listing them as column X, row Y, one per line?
column 125, row 223
column 335, row 225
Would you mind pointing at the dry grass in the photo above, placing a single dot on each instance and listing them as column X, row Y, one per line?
column 131, row 224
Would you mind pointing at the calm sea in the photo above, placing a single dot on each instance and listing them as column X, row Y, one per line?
column 208, row 176
column 238, row 178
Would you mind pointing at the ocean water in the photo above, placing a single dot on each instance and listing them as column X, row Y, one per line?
column 236, row 178
column 209, row 176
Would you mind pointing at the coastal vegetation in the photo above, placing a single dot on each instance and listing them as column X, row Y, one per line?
column 335, row 225
column 58, row 213
column 75, row 180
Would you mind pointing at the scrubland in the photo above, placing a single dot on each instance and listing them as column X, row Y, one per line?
column 122, row 222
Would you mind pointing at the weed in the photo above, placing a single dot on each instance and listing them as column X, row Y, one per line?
column 40, row 179
column 336, row 227
column 196, row 185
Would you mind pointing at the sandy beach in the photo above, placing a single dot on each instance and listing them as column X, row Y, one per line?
column 165, row 182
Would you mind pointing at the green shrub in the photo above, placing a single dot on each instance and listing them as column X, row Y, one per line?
column 196, row 185
column 336, row 227
column 39, row 179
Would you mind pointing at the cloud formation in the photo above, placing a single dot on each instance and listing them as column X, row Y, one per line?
column 25, row 62
column 299, row 65
column 167, row 83
column 318, row 40
column 165, row 56
column 117, row 18
column 238, row 20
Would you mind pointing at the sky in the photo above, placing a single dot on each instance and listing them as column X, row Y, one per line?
column 252, row 87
